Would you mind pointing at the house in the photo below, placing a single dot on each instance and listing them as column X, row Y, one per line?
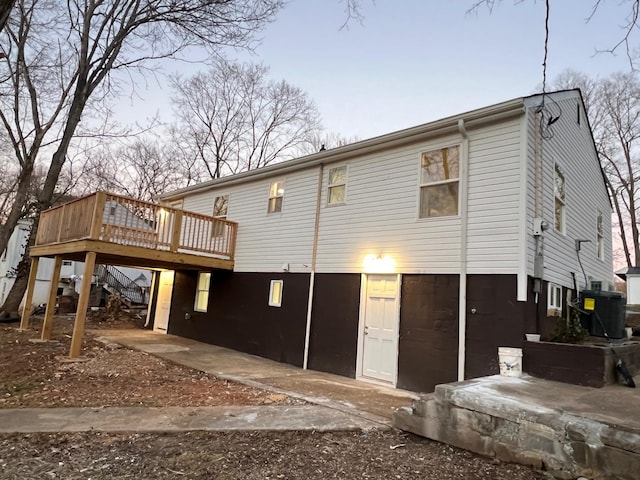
column 406, row 259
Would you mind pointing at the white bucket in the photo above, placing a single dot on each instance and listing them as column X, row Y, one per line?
column 510, row 360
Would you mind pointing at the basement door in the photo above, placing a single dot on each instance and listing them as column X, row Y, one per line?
column 161, row 321
column 380, row 321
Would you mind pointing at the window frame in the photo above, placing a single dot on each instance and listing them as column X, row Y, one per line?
column 276, row 302
column 273, row 198
column 599, row 236
column 202, row 291
column 218, row 229
column 331, row 186
column 560, row 225
column 423, row 186
column 554, row 300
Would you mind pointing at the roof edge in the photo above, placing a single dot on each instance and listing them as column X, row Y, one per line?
column 472, row 118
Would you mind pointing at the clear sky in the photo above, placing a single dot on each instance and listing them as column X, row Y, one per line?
column 413, row 61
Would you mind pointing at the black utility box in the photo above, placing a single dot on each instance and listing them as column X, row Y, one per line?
column 609, row 307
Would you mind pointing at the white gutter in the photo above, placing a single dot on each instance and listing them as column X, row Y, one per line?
column 475, row 118
column 462, row 295
column 314, row 256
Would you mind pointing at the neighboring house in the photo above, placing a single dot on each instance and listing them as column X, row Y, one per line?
column 408, row 258
column 132, row 278
column 631, row 276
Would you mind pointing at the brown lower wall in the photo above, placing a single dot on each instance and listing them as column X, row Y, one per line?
column 587, row 365
column 495, row 319
column 333, row 342
column 239, row 316
column 428, row 343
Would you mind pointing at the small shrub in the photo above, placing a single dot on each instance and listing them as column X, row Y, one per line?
column 569, row 330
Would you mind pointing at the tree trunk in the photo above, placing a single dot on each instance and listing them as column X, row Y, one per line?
column 17, row 209
column 5, row 10
column 12, row 302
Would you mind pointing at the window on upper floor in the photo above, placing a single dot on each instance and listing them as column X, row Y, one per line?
column 276, row 195
column 220, row 206
column 202, row 292
column 596, row 285
column 439, row 180
column 599, row 237
column 336, row 194
column 554, row 300
column 559, row 200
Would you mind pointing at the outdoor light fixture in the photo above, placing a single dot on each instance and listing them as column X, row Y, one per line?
column 379, row 264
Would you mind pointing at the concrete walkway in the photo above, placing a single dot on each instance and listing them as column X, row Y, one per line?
column 335, row 403
column 367, row 400
column 180, row 419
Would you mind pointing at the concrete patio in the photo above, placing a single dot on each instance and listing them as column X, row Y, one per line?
column 568, row 430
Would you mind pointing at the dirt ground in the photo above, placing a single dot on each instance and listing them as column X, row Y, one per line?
column 31, row 376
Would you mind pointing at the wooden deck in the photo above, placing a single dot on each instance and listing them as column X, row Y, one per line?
column 124, row 231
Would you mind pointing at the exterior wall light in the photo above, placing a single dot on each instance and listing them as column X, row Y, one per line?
column 379, row 264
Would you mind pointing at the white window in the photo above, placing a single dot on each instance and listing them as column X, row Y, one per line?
column 337, row 185
column 439, row 179
column 596, row 285
column 202, row 292
column 554, row 300
column 220, row 206
column 275, row 293
column 599, row 237
column 559, row 200
column 276, row 194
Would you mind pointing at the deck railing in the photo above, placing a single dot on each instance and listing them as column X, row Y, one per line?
column 126, row 221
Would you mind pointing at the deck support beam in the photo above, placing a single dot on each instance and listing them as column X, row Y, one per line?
column 51, row 302
column 83, row 303
column 31, row 286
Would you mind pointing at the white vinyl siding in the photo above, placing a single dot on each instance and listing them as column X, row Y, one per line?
column 493, row 199
column 267, row 241
column 572, row 148
column 381, row 217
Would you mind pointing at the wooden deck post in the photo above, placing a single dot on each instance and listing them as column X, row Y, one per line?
column 31, row 285
column 51, row 302
column 97, row 216
column 177, row 229
column 83, row 303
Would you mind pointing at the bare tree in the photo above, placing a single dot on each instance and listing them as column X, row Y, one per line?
column 59, row 56
column 237, row 120
column 629, row 27
column 143, row 169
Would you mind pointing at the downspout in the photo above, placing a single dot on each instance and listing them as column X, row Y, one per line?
column 462, row 295
column 314, row 256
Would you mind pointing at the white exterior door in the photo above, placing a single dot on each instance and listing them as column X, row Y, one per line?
column 163, row 303
column 380, row 328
